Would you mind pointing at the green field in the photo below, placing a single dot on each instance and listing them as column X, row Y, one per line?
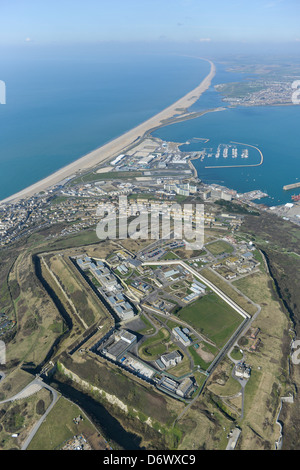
column 236, row 354
column 212, row 317
column 170, row 255
column 148, row 329
column 219, row 247
column 156, row 345
column 198, row 361
column 111, row 175
column 59, row 427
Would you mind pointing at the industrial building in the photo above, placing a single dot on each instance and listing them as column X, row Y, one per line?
column 185, row 387
column 171, row 273
column 84, row 263
column 182, row 389
column 198, row 288
column 171, row 359
column 110, row 287
column 117, row 345
column 191, row 297
column 124, row 311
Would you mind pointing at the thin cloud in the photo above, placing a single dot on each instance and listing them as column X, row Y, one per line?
column 273, row 3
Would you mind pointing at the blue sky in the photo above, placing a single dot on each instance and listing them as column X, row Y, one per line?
column 85, row 21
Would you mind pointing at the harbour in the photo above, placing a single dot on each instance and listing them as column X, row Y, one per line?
column 267, row 155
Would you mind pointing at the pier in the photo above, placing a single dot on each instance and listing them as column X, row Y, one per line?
column 242, row 166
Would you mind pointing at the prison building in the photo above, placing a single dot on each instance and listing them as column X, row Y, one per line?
column 184, row 339
column 171, row 359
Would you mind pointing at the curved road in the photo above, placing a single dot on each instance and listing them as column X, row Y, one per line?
column 37, row 382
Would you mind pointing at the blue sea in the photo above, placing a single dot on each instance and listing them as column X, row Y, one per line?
column 62, row 104
column 272, row 129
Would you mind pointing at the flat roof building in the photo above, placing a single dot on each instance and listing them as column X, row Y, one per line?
column 122, row 341
column 171, row 359
column 185, row 387
column 171, row 273
column 124, row 311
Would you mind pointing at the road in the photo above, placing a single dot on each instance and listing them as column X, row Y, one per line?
column 237, row 334
column 55, row 398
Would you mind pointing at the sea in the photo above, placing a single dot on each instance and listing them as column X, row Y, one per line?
column 274, row 130
column 61, row 105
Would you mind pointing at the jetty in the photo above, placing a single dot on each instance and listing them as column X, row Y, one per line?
column 291, row 186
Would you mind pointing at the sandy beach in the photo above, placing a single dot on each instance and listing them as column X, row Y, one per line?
column 118, row 145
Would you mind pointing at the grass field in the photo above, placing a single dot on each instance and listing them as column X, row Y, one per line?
column 17, row 417
column 198, row 361
column 111, row 175
column 182, row 368
column 236, row 354
column 219, row 247
column 267, row 365
column 231, row 387
column 228, row 290
column 35, row 314
column 14, row 383
column 156, row 345
column 86, row 237
column 170, row 255
column 212, row 317
column 204, row 427
column 88, row 307
column 131, row 392
column 59, row 427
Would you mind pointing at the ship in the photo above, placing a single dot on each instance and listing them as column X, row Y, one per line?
column 296, row 198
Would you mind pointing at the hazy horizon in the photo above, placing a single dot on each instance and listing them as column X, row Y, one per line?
column 199, row 21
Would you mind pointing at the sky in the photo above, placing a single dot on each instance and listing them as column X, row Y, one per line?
column 92, row 21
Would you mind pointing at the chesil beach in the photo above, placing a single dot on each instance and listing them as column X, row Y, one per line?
column 119, row 144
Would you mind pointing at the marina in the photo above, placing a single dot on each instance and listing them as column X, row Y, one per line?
column 278, row 144
column 226, row 151
column 235, row 150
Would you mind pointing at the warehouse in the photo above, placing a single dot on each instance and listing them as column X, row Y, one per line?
column 184, row 339
column 171, row 359
column 120, row 343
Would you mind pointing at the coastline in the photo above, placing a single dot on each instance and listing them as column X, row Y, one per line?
column 116, row 146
